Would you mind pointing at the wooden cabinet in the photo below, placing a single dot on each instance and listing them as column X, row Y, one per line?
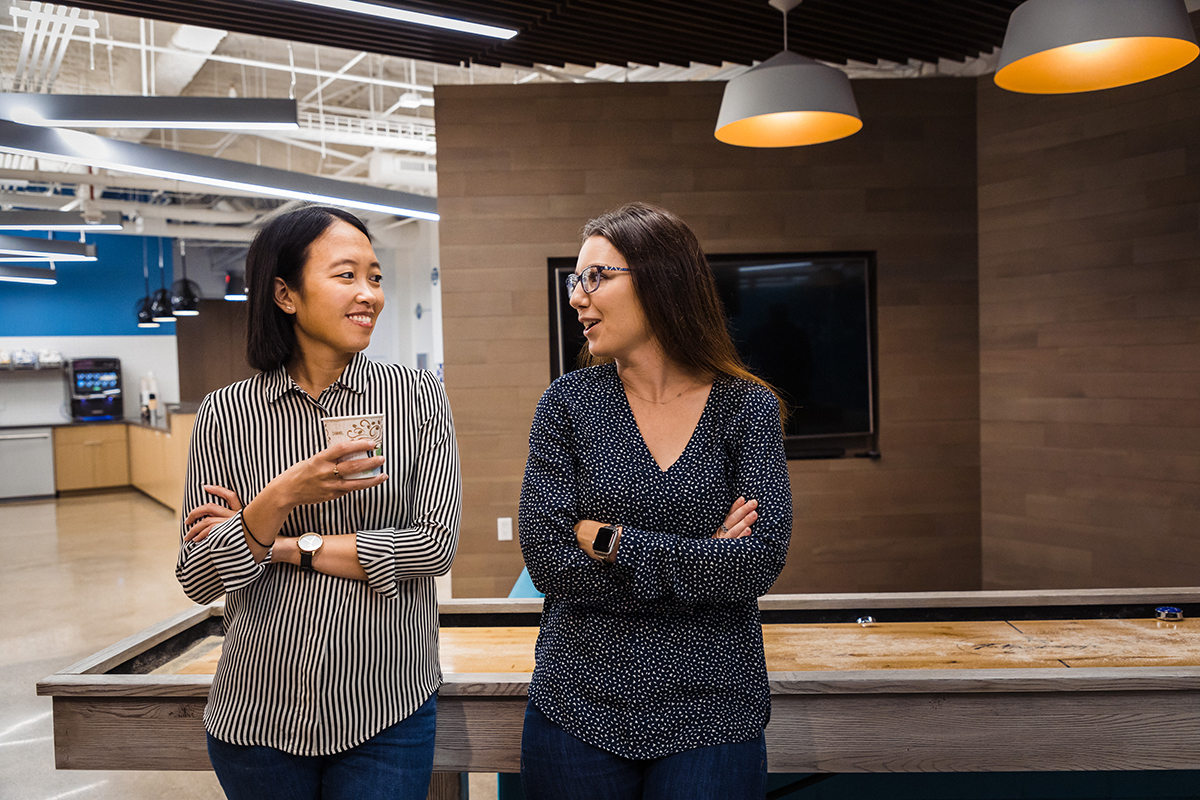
column 90, row 457
column 158, row 459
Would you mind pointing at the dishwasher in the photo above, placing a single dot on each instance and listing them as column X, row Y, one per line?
column 26, row 463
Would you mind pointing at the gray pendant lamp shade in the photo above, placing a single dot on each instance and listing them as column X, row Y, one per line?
column 1063, row 46
column 787, row 100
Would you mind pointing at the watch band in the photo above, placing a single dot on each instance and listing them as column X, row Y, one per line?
column 306, row 560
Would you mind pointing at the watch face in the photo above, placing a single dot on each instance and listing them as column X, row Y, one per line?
column 310, row 542
column 604, row 539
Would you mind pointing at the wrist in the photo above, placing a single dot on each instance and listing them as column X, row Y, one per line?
column 611, row 558
column 604, row 542
column 285, row 550
column 276, row 498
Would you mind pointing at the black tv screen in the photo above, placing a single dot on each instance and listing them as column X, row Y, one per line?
column 804, row 322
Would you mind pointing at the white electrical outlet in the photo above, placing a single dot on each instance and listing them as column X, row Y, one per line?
column 504, row 529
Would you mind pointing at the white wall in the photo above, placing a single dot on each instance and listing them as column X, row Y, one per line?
column 408, row 254
column 40, row 398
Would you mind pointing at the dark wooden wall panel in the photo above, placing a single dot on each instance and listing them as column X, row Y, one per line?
column 1089, row 239
column 521, row 168
column 211, row 349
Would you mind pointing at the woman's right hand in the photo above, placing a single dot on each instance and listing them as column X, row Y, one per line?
column 742, row 515
column 321, row 478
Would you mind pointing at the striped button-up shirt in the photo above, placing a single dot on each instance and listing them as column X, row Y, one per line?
column 315, row 664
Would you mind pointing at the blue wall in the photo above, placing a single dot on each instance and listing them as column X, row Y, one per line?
column 92, row 298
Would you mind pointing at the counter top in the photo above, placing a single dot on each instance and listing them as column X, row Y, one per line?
column 62, row 424
column 164, row 424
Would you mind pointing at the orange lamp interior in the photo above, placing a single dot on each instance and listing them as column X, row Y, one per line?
column 789, row 129
column 1103, row 64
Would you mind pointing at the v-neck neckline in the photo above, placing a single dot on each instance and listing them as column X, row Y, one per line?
column 645, row 447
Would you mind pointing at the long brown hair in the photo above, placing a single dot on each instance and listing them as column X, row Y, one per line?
column 675, row 285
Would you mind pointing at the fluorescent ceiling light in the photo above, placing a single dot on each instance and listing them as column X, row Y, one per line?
column 50, row 249
column 75, row 147
column 400, row 15
column 36, row 275
column 20, row 220
column 105, row 111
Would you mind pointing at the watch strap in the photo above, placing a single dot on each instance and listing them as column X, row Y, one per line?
column 306, row 560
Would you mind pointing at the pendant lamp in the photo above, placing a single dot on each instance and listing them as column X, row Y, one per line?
column 142, row 307
column 1065, row 46
column 160, row 303
column 787, row 100
column 235, row 287
column 185, row 294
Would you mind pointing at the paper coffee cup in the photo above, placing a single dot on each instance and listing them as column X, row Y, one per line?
column 356, row 428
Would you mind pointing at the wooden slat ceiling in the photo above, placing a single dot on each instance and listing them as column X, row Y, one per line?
column 587, row 32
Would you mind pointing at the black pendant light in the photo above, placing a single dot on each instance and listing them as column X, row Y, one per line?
column 145, row 317
column 185, row 294
column 160, row 303
column 235, row 287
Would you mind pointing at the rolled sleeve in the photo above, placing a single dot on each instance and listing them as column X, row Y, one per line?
column 548, row 512
column 426, row 548
column 222, row 561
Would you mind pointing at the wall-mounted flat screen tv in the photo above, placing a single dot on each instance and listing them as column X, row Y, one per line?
column 804, row 322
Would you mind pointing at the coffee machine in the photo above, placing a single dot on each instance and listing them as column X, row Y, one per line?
column 94, row 386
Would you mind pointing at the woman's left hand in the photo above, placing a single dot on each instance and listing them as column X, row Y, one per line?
column 203, row 519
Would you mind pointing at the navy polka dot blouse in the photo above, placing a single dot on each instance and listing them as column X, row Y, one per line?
column 662, row 651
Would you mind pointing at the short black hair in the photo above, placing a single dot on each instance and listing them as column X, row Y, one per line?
column 280, row 250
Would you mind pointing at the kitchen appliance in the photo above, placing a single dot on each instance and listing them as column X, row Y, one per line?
column 94, row 386
column 26, row 462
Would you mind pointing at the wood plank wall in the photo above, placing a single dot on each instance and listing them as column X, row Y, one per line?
column 1089, row 239
column 212, row 349
column 521, row 168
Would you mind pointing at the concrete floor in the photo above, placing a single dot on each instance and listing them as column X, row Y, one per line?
column 78, row 574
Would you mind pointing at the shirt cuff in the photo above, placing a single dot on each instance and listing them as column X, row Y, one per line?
column 231, row 555
column 377, row 555
column 643, row 559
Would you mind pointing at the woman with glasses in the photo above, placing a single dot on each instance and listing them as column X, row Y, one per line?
column 655, row 510
column 327, row 682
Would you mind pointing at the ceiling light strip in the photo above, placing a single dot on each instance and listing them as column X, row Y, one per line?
column 34, row 275
column 29, row 248
column 23, row 220
column 75, row 147
column 413, row 17
column 106, row 111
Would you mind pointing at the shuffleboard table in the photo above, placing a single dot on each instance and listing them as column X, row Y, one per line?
column 902, row 682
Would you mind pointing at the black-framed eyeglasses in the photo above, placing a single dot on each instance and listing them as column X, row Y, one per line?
column 589, row 278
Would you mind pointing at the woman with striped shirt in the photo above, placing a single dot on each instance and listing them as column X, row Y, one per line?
column 327, row 682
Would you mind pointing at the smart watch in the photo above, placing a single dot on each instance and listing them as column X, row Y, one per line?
column 309, row 544
column 606, row 539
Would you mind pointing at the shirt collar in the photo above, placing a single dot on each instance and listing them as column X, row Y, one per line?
column 355, row 377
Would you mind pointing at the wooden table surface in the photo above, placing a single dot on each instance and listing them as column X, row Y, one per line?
column 1102, row 689
column 898, row 645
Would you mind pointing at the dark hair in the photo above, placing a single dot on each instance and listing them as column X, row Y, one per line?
column 677, row 290
column 280, row 250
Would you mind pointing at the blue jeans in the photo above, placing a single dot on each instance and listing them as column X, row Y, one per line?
column 557, row 766
column 395, row 764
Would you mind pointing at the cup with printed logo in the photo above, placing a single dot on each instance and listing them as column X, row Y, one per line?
column 356, row 428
